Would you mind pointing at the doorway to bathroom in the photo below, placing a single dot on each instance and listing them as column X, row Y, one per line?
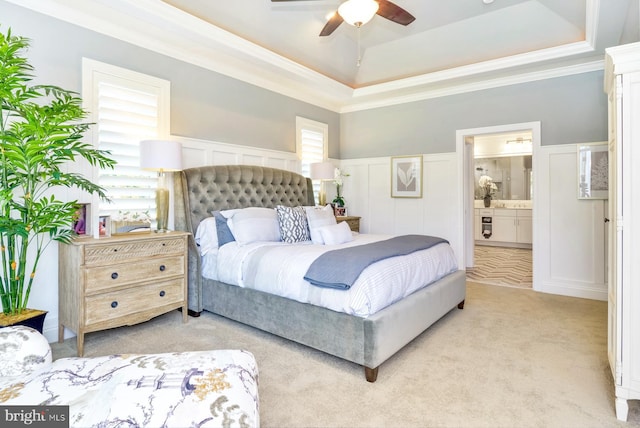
column 497, row 172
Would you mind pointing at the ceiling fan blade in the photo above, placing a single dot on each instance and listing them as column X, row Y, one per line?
column 331, row 25
column 394, row 13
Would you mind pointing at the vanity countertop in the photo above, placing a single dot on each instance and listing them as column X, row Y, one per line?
column 508, row 204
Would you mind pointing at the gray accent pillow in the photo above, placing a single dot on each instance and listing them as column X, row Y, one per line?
column 222, row 229
column 293, row 224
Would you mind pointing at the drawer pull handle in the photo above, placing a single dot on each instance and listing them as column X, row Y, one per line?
column 162, row 293
column 162, row 268
column 114, row 304
column 114, row 275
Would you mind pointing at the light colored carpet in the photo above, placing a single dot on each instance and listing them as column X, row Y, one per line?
column 506, row 266
column 511, row 358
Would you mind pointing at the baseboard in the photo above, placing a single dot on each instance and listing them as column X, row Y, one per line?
column 571, row 289
column 503, row 244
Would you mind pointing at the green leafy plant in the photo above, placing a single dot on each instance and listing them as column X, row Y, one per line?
column 40, row 133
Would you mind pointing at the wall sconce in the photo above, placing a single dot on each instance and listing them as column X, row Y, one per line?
column 322, row 171
column 161, row 156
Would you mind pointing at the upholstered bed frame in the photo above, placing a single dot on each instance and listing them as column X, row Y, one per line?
column 366, row 341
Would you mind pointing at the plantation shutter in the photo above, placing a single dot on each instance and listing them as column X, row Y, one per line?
column 312, row 147
column 127, row 107
column 125, row 117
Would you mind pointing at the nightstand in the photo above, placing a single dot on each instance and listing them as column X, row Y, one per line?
column 121, row 280
column 352, row 221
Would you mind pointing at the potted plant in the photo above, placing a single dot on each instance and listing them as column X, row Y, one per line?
column 488, row 188
column 40, row 132
column 339, row 199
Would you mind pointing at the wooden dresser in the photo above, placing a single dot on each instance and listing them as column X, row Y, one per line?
column 120, row 280
column 352, row 221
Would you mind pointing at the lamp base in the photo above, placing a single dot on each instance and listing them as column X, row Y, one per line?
column 162, row 209
column 322, row 198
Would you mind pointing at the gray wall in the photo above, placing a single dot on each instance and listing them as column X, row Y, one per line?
column 204, row 104
column 571, row 110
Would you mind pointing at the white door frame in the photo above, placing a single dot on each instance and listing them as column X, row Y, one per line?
column 465, row 158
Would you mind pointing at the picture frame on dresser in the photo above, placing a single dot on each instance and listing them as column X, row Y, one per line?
column 81, row 222
column 104, row 226
column 593, row 170
column 406, row 176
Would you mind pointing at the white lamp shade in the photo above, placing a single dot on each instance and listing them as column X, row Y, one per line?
column 160, row 155
column 358, row 12
column 322, row 171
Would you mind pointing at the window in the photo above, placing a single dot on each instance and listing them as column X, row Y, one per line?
column 126, row 107
column 312, row 140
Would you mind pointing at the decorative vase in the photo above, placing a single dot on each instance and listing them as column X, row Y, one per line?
column 33, row 318
column 487, row 201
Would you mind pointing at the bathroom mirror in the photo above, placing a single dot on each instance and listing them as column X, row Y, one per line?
column 511, row 175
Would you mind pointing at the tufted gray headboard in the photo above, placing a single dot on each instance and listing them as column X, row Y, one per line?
column 199, row 191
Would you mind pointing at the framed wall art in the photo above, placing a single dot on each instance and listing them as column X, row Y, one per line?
column 593, row 171
column 406, row 176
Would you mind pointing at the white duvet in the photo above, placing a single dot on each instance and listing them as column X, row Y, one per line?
column 279, row 268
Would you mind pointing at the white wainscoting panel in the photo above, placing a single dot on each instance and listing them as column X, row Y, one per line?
column 197, row 153
column 571, row 231
column 367, row 193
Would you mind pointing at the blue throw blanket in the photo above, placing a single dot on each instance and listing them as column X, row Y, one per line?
column 341, row 268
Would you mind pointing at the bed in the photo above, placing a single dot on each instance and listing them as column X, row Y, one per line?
column 365, row 340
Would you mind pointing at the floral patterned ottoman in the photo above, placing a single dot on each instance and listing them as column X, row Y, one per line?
column 205, row 389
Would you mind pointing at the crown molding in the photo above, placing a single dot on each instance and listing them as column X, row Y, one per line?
column 478, row 68
column 513, row 79
column 162, row 28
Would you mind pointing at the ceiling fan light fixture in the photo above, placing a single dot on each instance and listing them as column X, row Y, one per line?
column 358, row 12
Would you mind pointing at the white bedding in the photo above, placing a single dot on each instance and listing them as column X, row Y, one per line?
column 278, row 268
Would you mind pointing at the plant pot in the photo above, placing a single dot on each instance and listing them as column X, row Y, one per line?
column 487, row 201
column 33, row 318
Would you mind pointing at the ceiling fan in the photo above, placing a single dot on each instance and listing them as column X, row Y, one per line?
column 359, row 12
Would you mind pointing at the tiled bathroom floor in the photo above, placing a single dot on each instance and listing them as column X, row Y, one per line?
column 511, row 267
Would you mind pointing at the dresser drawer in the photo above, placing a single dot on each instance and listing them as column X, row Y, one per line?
column 116, row 304
column 114, row 252
column 101, row 278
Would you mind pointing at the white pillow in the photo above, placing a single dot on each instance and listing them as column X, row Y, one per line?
column 318, row 217
column 254, row 224
column 207, row 235
column 336, row 234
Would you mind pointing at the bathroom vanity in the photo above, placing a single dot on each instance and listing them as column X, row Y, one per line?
column 509, row 225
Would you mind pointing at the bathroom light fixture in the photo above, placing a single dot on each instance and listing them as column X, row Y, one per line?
column 322, row 171
column 161, row 156
column 519, row 140
column 358, row 12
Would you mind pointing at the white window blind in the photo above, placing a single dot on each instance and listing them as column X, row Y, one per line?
column 127, row 107
column 312, row 146
column 125, row 117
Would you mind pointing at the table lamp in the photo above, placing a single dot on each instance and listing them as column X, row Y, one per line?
column 161, row 156
column 322, row 171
